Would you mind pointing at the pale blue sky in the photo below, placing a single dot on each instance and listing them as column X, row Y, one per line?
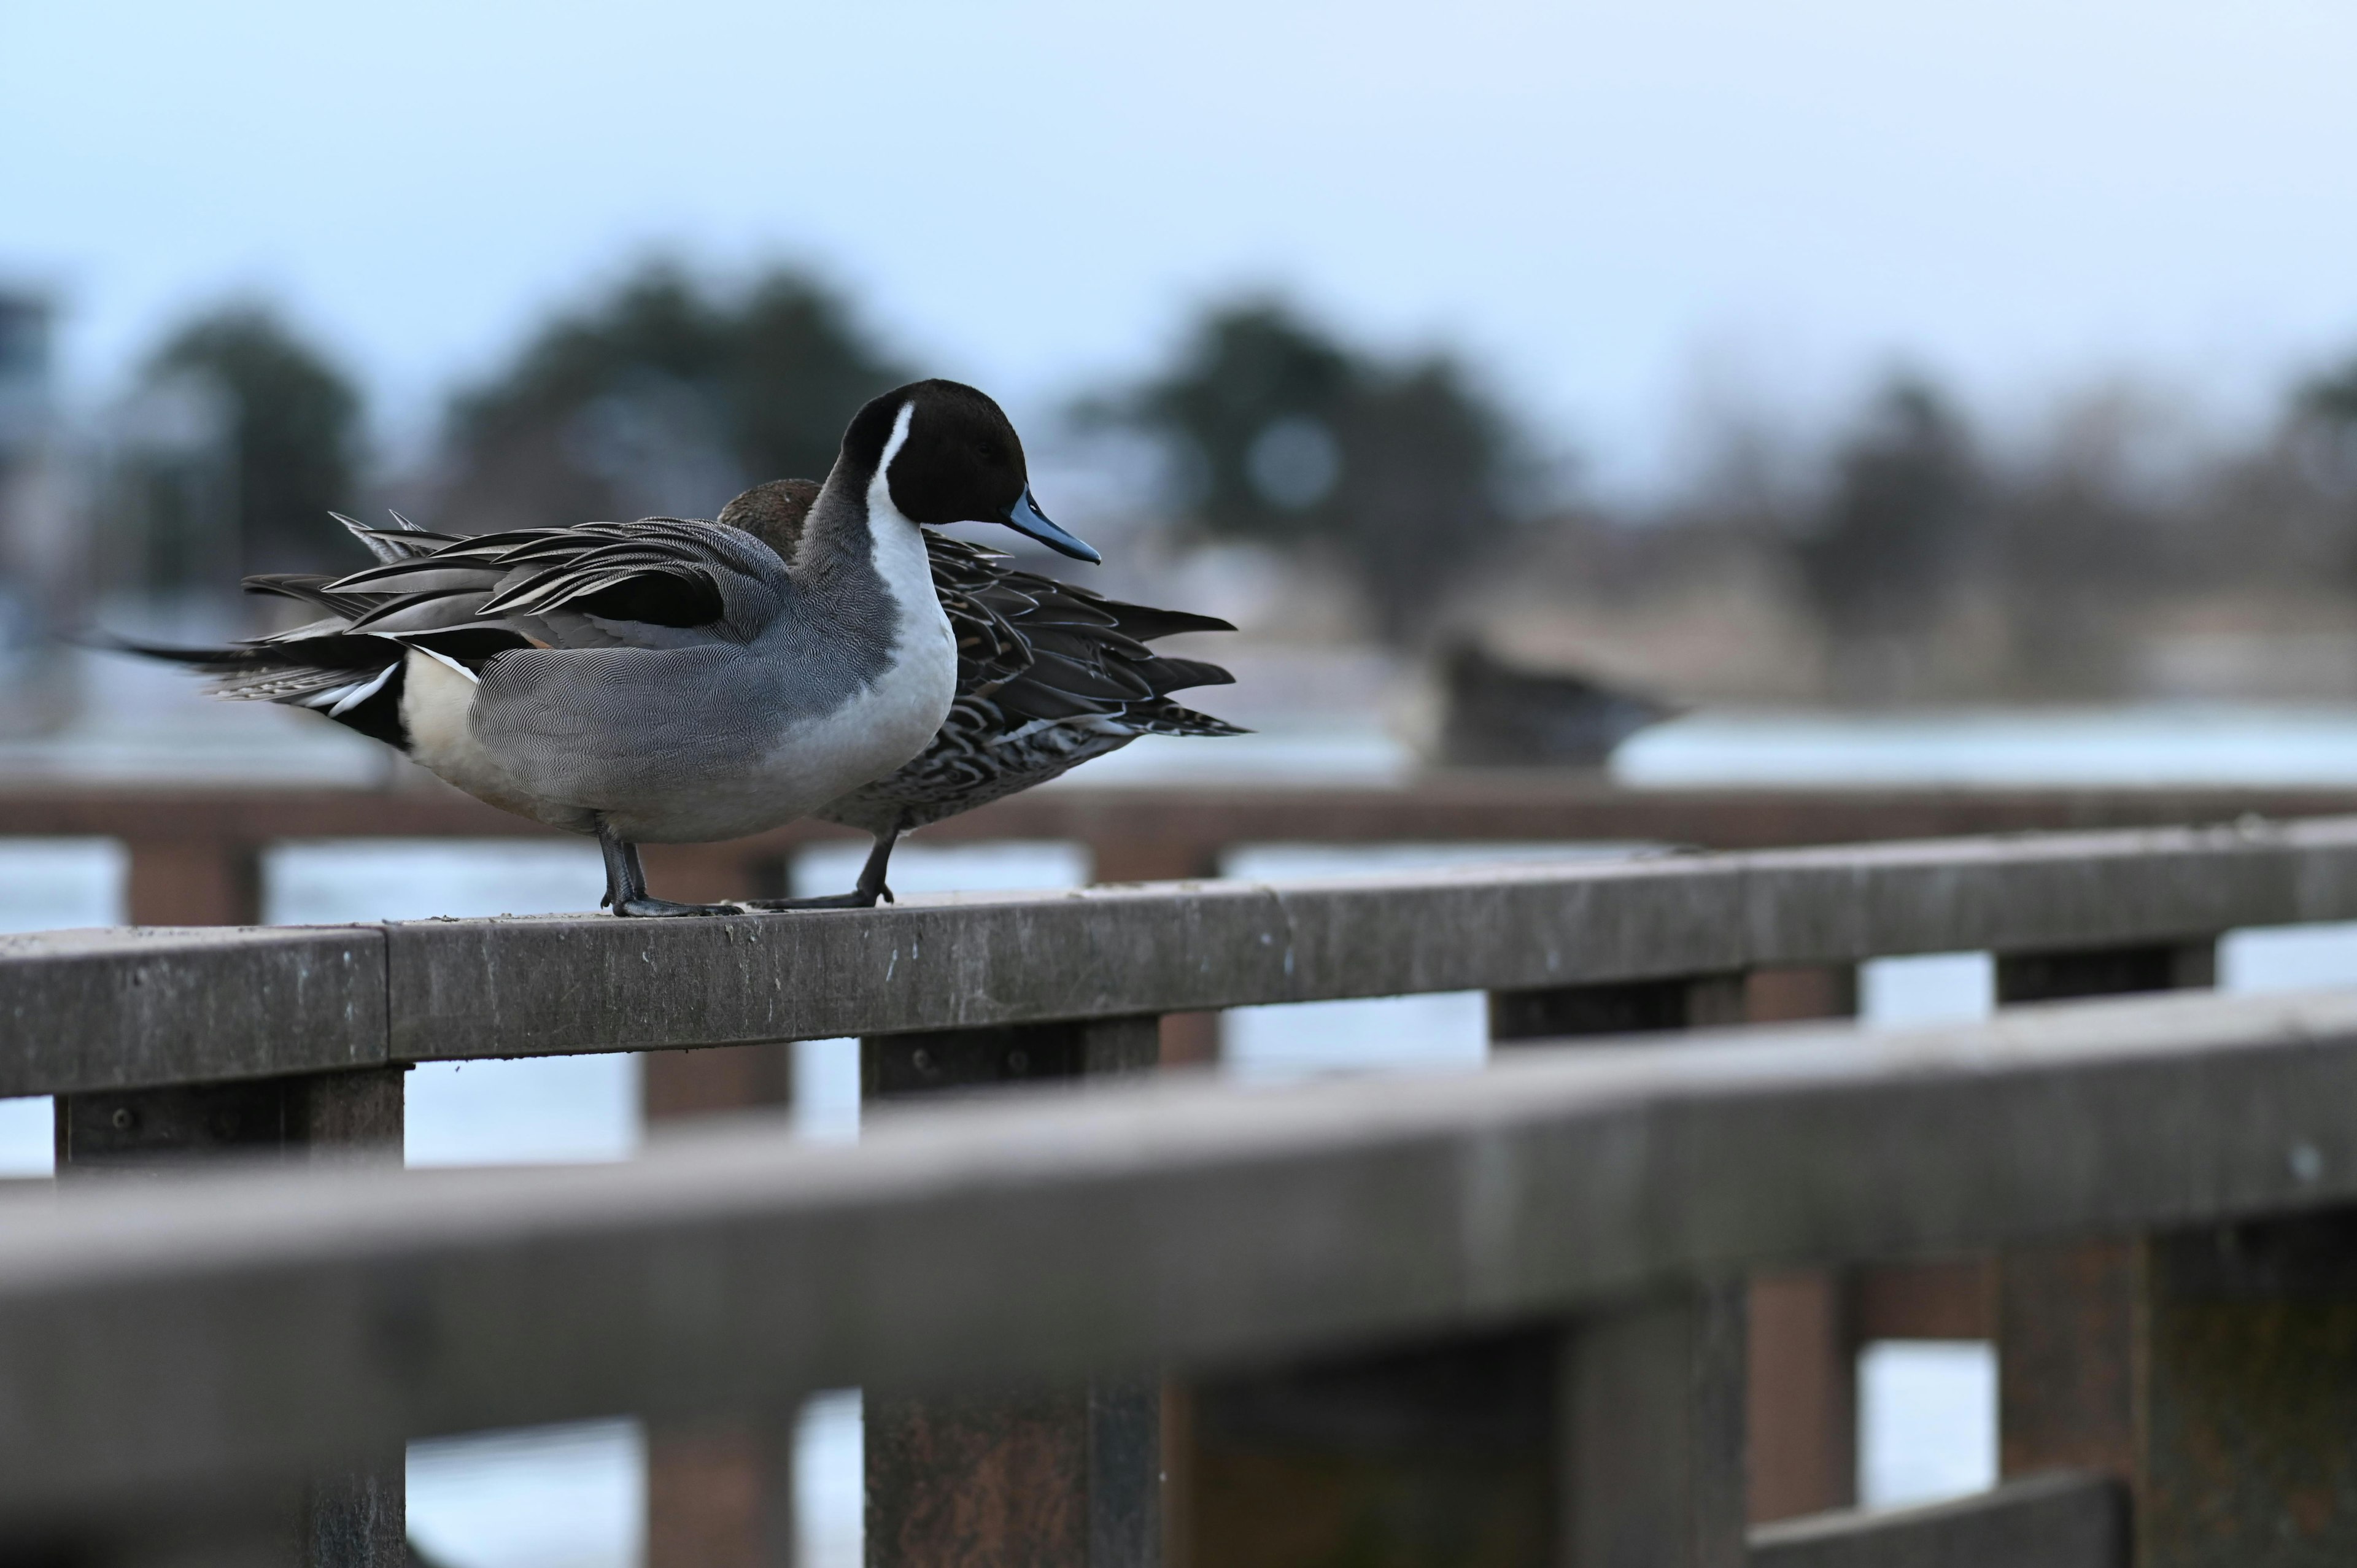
column 1612, row 204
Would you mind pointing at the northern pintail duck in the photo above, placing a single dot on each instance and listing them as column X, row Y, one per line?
column 1049, row 676
column 668, row 680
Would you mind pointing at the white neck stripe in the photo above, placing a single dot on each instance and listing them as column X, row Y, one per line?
column 894, row 442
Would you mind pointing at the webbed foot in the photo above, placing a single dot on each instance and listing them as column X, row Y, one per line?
column 645, row 908
column 858, row 899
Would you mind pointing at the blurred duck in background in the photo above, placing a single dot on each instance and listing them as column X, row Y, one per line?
column 675, row 681
column 1499, row 714
column 1049, row 676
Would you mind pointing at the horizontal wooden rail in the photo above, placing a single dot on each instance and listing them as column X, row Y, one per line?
column 2062, row 1520
column 95, row 1010
column 1470, row 807
column 221, row 1328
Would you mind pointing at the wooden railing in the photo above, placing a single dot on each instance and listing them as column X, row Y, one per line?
column 1496, row 1311
column 1373, row 1331
column 195, row 852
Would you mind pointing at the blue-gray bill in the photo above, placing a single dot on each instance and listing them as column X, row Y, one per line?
column 1026, row 518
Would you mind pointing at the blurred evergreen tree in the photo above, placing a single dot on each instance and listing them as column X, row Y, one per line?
column 1884, row 551
column 1282, row 434
column 664, row 397
column 292, row 425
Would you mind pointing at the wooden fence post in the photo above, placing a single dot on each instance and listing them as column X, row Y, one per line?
column 718, row 1494
column 357, row 1518
column 1068, row 1478
column 1801, row 1368
column 193, row 882
column 1616, row 1439
column 2067, row 1312
column 2246, row 1395
column 1188, row 1040
column 1672, row 1487
column 1612, row 1440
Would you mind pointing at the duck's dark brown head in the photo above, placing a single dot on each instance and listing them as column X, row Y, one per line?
column 774, row 513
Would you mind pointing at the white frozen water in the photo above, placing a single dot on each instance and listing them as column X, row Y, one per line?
column 547, row 1497
column 2153, row 744
column 573, row 1497
column 830, row 1481
column 1926, row 1421
column 1927, row 988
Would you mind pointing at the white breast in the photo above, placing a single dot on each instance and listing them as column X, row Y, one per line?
column 893, row 721
column 908, row 703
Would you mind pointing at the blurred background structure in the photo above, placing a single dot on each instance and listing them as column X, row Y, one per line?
column 1698, row 393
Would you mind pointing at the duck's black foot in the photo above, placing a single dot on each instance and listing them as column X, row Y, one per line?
column 858, row 899
column 645, row 908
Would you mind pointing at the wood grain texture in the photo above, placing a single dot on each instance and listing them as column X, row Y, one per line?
column 125, row 1009
column 1168, row 826
column 132, row 1008
column 1037, row 1477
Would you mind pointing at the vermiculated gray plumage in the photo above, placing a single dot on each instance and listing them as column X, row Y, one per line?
column 684, row 646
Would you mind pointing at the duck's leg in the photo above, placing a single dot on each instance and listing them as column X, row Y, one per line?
column 626, row 883
column 864, row 893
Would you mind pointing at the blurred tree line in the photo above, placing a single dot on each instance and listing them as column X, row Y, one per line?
column 1927, row 560
column 1933, row 566
column 1398, row 474
column 669, row 395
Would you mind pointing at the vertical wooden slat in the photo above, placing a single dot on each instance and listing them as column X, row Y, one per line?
column 2246, row 1395
column 1486, row 1452
column 1801, row 1367
column 721, row 1497
column 2066, row 1313
column 729, row 1078
column 355, row 1518
column 1654, row 1439
column 1802, row 1378
column 1419, row 1457
column 193, row 882
column 1637, row 1006
column 1611, row 1442
column 1058, row 1478
column 718, row 1494
column 1188, row 1040
column 1652, row 1449
column 1802, row 1362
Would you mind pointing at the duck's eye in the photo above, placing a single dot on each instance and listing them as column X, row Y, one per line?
column 986, row 450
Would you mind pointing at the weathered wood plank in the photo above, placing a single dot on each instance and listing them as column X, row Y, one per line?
column 1453, row 1452
column 121, row 1009
column 1198, row 819
column 80, row 1011
column 2246, row 1401
column 2067, row 1313
column 1044, row 1477
column 1649, row 1469
column 350, row 1516
column 2058, row 1520
column 522, row 987
column 216, row 1326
